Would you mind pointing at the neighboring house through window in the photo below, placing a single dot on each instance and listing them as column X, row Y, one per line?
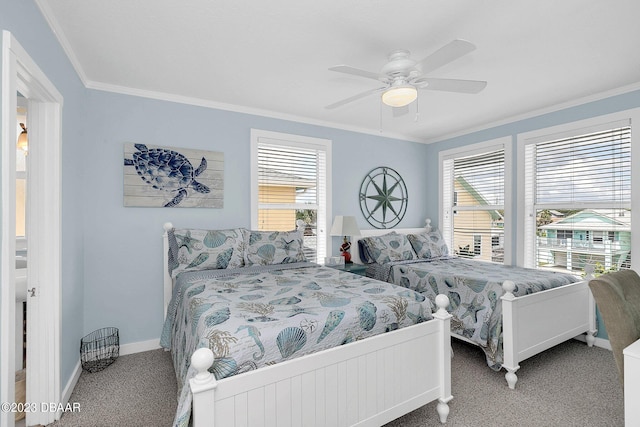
column 473, row 187
column 290, row 178
column 580, row 238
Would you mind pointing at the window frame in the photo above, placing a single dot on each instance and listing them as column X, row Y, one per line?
column 294, row 141
column 525, row 246
column 502, row 143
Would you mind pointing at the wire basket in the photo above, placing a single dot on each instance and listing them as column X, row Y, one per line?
column 99, row 349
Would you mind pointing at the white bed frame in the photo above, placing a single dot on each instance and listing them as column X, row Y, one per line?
column 531, row 323
column 364, row 383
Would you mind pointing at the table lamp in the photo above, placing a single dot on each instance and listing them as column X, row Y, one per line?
column 345, row 226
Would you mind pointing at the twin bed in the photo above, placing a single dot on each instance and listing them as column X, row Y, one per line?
column 260, row 337
column 512, row 313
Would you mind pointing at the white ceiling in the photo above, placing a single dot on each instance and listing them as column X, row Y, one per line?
column 272, row 57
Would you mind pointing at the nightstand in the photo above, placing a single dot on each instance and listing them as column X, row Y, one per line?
column 354, row 268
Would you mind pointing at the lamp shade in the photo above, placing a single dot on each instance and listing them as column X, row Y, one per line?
column 399, row 96
column 23, row 142
column 345, row 226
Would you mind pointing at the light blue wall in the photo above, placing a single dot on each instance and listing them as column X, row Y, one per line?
column 123, row 246
column 24, row 20
column 588, row 110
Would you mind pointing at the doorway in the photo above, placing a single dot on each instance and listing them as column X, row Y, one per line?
column 20, row 74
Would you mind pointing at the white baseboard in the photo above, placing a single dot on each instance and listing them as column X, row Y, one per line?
column 71, row 384
column 599, row 342
column 140, row 346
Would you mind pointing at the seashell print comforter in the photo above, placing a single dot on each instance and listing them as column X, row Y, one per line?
column 474, row 289
column 256, row 316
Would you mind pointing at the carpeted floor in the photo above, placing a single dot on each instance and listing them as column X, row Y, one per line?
column 568, row 385
column 137, row 390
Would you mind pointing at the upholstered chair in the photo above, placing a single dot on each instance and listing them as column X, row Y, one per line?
column 618, row 298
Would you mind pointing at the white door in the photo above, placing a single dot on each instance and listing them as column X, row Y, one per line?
column 21, row 74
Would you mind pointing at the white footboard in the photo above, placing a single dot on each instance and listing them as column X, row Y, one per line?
column 534, row 323
column 365, row 383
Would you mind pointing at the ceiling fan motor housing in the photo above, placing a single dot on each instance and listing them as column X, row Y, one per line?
column 400, row 65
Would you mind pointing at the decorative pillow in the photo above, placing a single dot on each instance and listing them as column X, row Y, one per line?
column 421, row 244
column 193, row 249
column 389, row 247
column 273, row 247
column 438, row 245
column 429, row 244
column 364, row 252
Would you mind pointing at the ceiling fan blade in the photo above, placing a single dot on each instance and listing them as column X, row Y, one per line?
column 355, row 72
column 400, row 111
column 354, row 98
column 453, row 85
column 446, row 54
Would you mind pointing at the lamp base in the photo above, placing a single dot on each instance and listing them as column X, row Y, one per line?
column 344, row 251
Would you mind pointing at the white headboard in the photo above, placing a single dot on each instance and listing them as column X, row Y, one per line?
column 355, row 252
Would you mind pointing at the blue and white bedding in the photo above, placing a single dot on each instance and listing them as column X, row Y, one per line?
column 474, row 289
column 256, row 316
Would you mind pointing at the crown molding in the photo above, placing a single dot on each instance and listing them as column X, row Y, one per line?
column 50, row 17
column 539, row 112
column 199, row 102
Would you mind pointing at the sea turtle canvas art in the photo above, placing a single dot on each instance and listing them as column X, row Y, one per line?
column 172, row 177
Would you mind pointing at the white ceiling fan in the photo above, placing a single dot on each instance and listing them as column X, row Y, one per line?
column 403, row 76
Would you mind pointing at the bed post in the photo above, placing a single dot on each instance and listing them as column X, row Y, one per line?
column 427, row 224
column 168, row 283
column 442, row 301
column 509, row 338
column 203, row 387
column 589, row 270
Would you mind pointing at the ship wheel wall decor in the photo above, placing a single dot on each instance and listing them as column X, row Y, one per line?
column 383, row 197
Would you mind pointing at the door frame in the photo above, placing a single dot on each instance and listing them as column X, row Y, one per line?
column 21, row 74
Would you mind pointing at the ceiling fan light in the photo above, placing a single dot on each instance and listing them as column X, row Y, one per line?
column 399, row 96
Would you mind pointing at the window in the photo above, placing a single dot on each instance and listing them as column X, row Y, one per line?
column 577, row 198
column 473, row 199
column 564, row 234
column 597, row 237
column 477, row 244
column 290, row 178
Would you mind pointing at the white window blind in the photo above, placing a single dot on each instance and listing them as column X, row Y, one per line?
column 292, row 186
column 473, row 203
column 578, row 200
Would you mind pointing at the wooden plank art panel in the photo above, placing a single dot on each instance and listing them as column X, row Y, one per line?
column 172, row 177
